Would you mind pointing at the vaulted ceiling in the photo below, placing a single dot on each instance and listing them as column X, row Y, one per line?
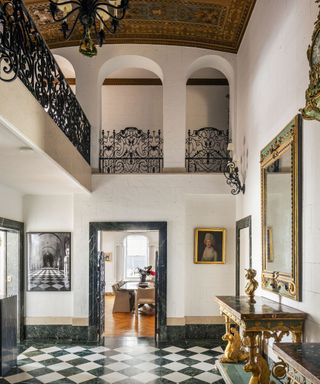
column 212, row 24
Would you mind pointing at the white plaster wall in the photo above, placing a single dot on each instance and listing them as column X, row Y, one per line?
column 204, row 281
column 174, row 65
column 272, row 79
column 149, row 198
column 131, row 106
column 10, row 203
column 50, row 214
column 207, row 106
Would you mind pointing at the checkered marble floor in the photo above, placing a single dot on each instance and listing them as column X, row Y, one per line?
column 127, row 364
column 48, row 279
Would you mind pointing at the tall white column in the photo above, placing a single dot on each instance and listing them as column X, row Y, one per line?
column 174, row 121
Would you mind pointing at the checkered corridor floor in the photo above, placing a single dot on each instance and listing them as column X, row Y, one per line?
column 48, row 279
column 127, row 364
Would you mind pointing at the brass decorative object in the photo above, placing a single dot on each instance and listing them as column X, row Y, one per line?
column 264, row 320
column 234, row 352
column 251, row 285
column 312, row 109
column 281, row 204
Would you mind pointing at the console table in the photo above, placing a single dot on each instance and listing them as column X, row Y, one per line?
column 260, row 321
column 302, row 361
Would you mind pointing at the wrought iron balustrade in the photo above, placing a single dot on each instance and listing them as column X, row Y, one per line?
column 131, row 150
column 24, row 54
column 206, row 150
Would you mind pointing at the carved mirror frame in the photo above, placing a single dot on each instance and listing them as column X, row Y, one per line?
column 290, row 138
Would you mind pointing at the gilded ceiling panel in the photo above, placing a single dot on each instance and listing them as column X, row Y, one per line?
column 212, row 24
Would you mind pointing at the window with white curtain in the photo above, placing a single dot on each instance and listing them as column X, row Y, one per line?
column 136, row 255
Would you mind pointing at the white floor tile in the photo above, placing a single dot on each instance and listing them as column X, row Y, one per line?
column 197, row 349
column 31, row 366
column 145, row 377
column 75, row 349
column 147, row 366
column 94, row 357
column 60, row 366
column 201, row 357
column 208, row 377
column 113, row 377
column 175, row 366
column 173, row 349
column 50, row 377
column 68, row 357
column 121, row 357
column 81, row 377
column 174, row 357
column 18, row 378
column 51, row 349
column 218, row 349
column 88, row 366
column 117, row 366
column 99, row 349
column 148, row 357
column 42, row 357
column 176, row 377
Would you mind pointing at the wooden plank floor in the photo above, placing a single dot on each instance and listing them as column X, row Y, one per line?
column 126, row 324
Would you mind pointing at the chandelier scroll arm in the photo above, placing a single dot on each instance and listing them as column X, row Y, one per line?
column 113, row 23
column 54, row 3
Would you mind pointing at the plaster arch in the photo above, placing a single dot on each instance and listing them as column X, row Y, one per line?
column 224, row 66
column 128, row 61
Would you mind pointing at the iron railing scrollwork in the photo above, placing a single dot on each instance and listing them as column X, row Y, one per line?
column 24, row 54
column 131, row 150
column 206, row 150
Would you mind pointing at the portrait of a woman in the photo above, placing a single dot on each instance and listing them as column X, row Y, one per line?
column 210, row 245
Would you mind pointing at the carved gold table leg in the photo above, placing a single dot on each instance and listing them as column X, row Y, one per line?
column 256, row 364
column 233, row 352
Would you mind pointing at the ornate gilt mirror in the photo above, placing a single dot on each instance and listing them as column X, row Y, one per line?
column 281, row 193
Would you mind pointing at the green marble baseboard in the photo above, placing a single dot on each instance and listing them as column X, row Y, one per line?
column 196, row 331
column 56, row 332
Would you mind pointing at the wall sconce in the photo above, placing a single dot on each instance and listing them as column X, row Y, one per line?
column 231, row 173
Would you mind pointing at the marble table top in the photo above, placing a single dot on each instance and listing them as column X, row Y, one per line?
column 305, row 358
column 263, row 309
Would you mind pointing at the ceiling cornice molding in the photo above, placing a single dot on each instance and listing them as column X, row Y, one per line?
column 210, row 24
column 157, row 82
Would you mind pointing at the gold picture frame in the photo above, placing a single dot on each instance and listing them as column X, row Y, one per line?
column 107, row 257
column 269, row 245
column 210, row 246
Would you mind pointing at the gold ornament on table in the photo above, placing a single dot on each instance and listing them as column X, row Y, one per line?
column 251, row 285
column 233, row 352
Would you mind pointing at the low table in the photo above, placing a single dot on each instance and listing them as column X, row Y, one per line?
column 302, row 361
column 260, row 321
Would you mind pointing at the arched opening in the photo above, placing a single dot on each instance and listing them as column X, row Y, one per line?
column 67, row 70
column 207, row 121
column 131, row 116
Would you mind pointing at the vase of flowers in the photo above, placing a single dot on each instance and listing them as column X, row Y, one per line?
column 144, row 272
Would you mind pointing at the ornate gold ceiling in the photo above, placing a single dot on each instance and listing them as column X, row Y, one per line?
column 213, row 24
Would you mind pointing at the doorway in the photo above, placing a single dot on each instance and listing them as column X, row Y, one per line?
column 12, row 267
column 99, row 262
column 129, row 257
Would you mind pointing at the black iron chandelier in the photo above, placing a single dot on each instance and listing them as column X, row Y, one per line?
column 95, row 16
column 231, row 174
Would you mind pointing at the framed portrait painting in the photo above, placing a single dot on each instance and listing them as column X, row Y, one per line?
column 49, row 261
column 210, row 245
